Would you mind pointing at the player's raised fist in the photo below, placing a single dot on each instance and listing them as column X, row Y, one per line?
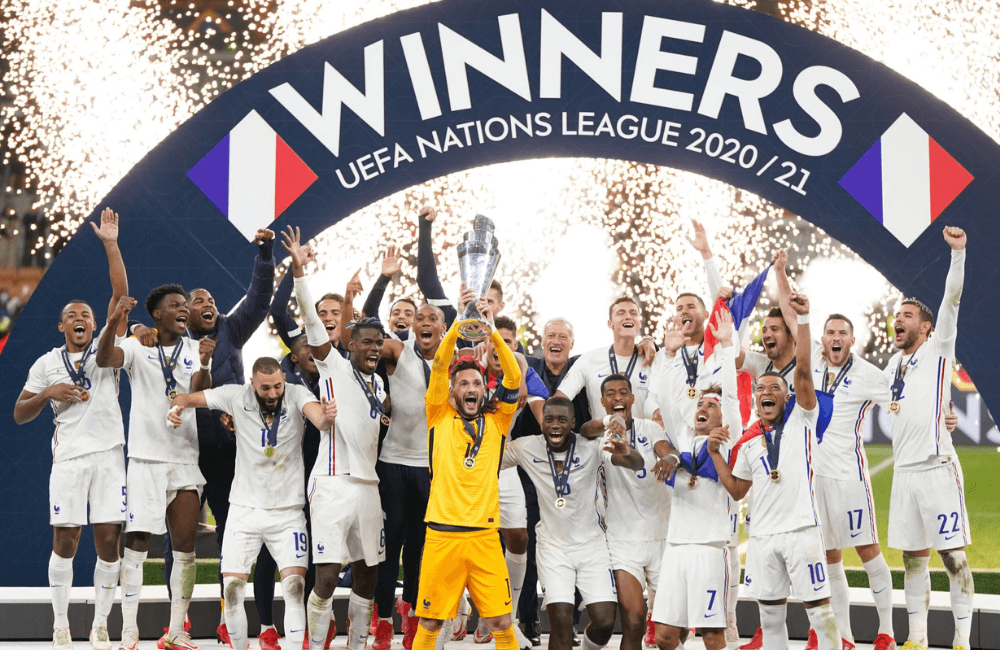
column 205, row 349
column 955, row 237
column 799, row 303
column 263, row 235
column 124, row 306
column 428, row 213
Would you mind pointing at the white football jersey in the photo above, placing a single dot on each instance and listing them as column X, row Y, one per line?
column 704, row 514
column 919, row 434
column 638, row 506
column 577, row 523
column 590, row 370
column 81, row 427
column 262, row 481
column 786, row 504
column 406, row 441
column 756, row 364
column 670, row 381
column 841, row 452
column 351, row 447
column 149, row 435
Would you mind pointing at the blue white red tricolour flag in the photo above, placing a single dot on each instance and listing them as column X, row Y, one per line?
column 740, row 306
column 906, row 180
column 251, row 175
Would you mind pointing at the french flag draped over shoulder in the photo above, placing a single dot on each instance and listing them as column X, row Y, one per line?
column 740, row 306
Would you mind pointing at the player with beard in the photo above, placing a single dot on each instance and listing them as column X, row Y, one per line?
column 343, row 494
column 786, row 543
column 465, row 445
column 625, row 323
column 694, row 578
column 776, row 334
column 404, row 481
column 300, row 369
column 637, row 506
column 88, row 466
column 163, row 479
column 572, row 550
column 927, row 508
column 841, row 476
column 268, row 491
column 217, row 447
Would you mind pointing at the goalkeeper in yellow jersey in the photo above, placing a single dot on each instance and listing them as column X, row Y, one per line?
column 465, row 443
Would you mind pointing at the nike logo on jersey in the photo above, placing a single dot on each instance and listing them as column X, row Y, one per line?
column 711, row 615
column 602, row 376
column 879, row 591
column 506, row 603
column 299, row 556
column 818, row 588
column 535, row 460
column 945, row 539
column 131, row 595
column 961, row 618
column 853, row 535
column 296, row 631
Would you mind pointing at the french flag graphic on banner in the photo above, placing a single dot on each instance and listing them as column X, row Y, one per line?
column 251, row 175
column 906, row 180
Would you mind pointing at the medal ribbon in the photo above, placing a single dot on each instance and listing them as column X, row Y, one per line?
column 423, row 361
column 691, row 365
column 378, row 408
column 167, row 368
column 272, row 429
column 773, row 446
column 631, row 362
column 561, row 480
column 784, row 371
column 78, row 378
column 897, row 382
column 840, row 375
column 476, row 433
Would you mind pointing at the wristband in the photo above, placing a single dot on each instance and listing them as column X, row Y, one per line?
column 207, row 366
column 802, row 319
column 676, row 458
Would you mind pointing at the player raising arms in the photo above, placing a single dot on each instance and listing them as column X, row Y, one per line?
column 465, row 444
column 343, row 494
column 88, row 467
column 268, row 490
column 694, row 575
column 164, row 481
column 927, row 507
column 786, row 545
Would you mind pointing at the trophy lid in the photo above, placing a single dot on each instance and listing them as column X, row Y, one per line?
column 482, row 223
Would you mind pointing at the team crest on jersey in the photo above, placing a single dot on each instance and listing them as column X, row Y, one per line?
column 56, row 508
column 320, row 547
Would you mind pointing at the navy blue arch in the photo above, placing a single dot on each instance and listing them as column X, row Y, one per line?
column 173, row 232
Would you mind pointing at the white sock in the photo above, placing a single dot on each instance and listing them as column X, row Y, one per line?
column 734, row 588
column 463, row 604
column 182, row 578
column 772, row 623
column 840, row 599
column 517, row 564
column 131, row 582
column 824, row 624
column 318, row 612
column 444, row 636
column 235, row 589
column 880, row 582
column 650, row 600
column 292, row 589
column 359, row 615
column 588, row 644
column 105, row 583
column 917, row 588
column 60, row 582
column 960, row 581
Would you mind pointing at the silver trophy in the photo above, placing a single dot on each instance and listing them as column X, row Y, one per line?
column 478, row 258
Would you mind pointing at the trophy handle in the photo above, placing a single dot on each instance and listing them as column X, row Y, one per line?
column 472, row 326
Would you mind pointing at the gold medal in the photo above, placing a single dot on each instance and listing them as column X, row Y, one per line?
column 691, row 392
column 560, row 503
column 172, row 393
column 894, row 406
column 470, row 462
column 85, row 395
column 269, row 451
column 386, row 420
column 775, row 475
column 693, row 482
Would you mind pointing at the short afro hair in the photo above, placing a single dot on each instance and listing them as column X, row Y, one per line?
column 157, row 295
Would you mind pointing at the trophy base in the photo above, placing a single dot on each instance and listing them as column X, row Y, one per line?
column 474, row 330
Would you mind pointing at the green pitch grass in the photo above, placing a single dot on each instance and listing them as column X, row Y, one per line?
column 981, row 467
